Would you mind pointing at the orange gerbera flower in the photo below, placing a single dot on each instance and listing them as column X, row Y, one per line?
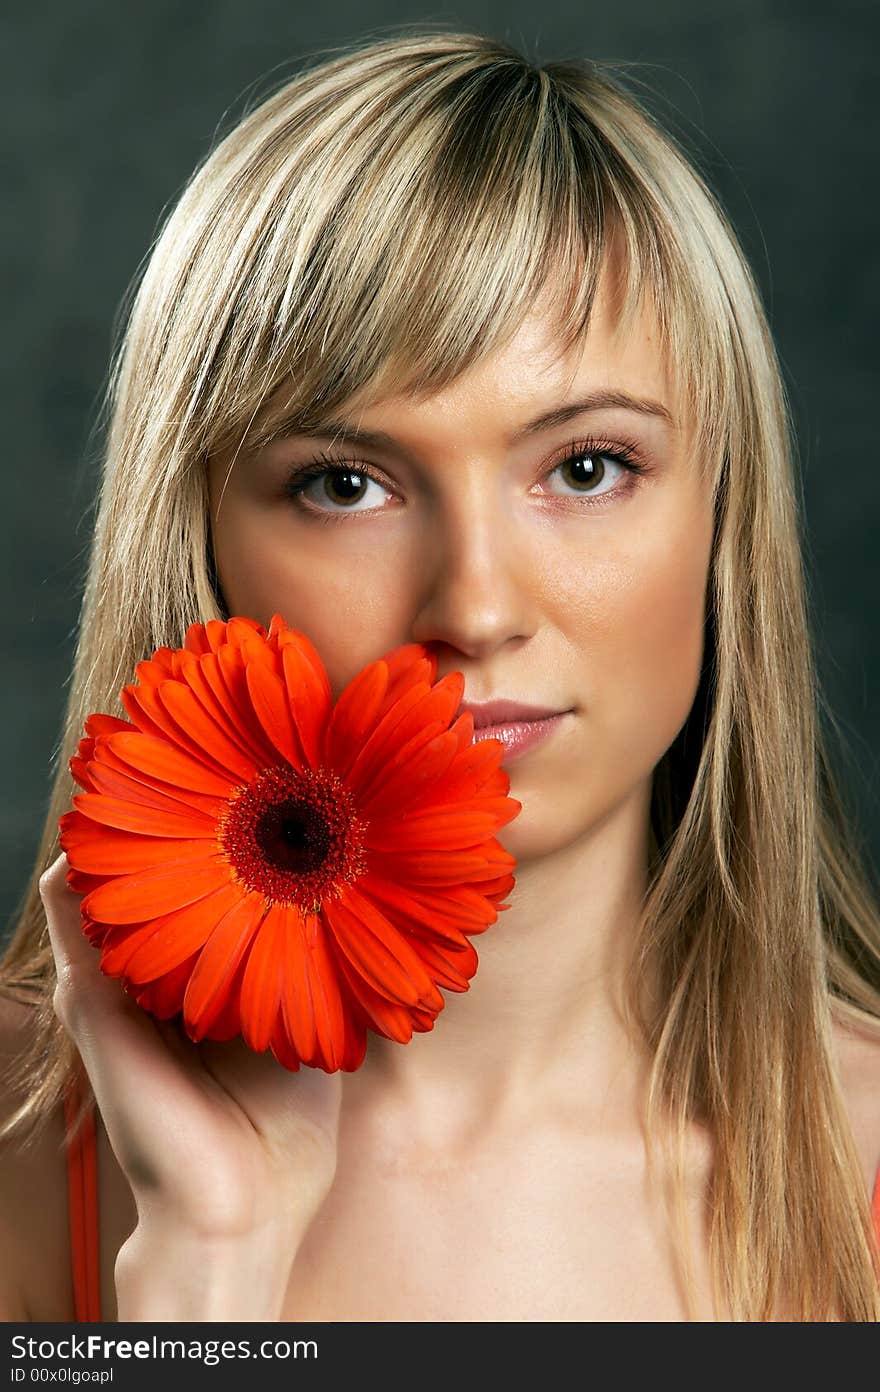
column 273, row 865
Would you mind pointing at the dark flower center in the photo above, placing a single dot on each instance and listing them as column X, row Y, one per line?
column 294, row 837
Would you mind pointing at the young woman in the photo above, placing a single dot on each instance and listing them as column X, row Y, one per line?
column 439, row 347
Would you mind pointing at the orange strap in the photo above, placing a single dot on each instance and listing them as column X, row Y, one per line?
column 82, row 1196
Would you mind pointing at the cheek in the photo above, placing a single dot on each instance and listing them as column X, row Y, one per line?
column 664, row 615
column 631, row 619
column 350, row 607
column 642, row 635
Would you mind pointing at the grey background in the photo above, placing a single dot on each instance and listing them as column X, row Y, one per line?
column 106, row 108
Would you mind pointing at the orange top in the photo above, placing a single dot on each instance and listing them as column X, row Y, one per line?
column 82, row 1190
column 82, row 1201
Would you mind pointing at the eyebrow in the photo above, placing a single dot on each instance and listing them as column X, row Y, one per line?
column 600, row 400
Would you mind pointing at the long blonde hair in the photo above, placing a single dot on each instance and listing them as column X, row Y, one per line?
column 385, row 219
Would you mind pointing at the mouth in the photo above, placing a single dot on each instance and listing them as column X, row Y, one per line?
column 518, row 728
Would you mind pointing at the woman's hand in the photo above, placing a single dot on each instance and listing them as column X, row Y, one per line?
column 228, row 1154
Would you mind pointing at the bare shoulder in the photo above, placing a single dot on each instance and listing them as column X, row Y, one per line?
column 34, row 1265
column 858, row 1062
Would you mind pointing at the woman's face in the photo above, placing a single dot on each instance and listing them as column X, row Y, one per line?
column 516, row 549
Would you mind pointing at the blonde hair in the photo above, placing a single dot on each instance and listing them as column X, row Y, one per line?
column 385, row 219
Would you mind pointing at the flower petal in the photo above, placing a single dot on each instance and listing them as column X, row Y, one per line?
column 176, row 936
column 225, row 1023
column 419, row 711
column 157, row 668
column 215, row 970
column 240, row 629
column 440, row 867
column 474, row 772
column 282, row 1047
column 355, row 1047
column 409, row 774
column 195, row 639
column 269, row 699
column 313, row 1009
column 493, row 889
column 146, row 706
column 148, row 893
column 450, row 969
column 376, row 949
column 140, row 716
column 123, row 853
column 98, row 724
column 81, row 772
column 408, row 664
column 81, row 883
column 446, row 829
column 146, row 821
column 380, row 742
column 160, row 759
column 190, row 715
column 231, row 665
column 207, row 637
column 381, row 1015
column 120, row 942
column 200, row 674
column 467, row 907
column 237, row 723
column 296, row 993
column 164, row 997
column 420, row 916
column 354, row 715
column 110, row 776
column 261, row 983
column 308, row 691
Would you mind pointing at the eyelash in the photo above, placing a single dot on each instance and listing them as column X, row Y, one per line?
column 622, row 452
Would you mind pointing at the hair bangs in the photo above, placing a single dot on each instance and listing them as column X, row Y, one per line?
column 492, row 202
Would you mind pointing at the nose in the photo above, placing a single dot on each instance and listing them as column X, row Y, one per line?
column 475, row 590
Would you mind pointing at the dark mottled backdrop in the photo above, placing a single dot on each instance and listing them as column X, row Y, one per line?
column 106, row 109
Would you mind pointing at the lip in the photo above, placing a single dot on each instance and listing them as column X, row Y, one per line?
column 507, row 712
column 518, row 727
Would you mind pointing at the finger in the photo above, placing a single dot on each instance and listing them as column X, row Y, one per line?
column 139, row 1084
column 78, row 974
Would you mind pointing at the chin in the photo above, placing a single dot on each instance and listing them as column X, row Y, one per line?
column 536, row 831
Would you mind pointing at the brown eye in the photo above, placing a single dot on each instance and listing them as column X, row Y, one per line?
column 344, row 486
column 331, row 488
column 595, row 471
column 583, row 471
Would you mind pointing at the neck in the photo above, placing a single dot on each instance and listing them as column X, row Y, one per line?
column 545, row 1004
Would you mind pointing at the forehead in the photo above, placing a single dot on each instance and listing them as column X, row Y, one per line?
column 534, row 368
column 519, row 379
